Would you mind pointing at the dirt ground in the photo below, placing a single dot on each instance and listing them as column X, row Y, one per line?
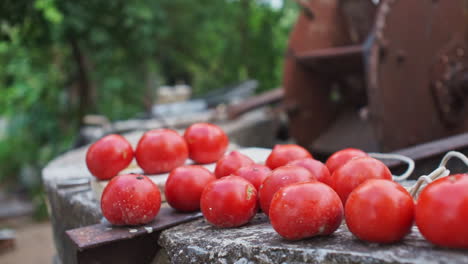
column 34, row 242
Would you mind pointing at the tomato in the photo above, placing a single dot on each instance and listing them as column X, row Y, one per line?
column 229, row 202
column 184, row 187
column 339, row 158
column 230, row 163
column 161, row 150
column 278, row 178
column 379, row 211
column 317, row 168
column 356, row 171
column 306, row 209
column 108, row 156
column 283, row 154
column 442, row 211
column 130, row 199
column 206, row 142
column 254, row 173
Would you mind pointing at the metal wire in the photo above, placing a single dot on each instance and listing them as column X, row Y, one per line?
column 399, row 157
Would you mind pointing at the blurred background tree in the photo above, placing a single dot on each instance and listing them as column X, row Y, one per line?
column 63, row 59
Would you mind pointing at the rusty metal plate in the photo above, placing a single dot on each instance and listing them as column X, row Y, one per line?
column 100, row 234
column 411, row 38
column 104, row 243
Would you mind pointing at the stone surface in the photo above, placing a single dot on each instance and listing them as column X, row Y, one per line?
column 76, row 207
column 257, row 242
column 198, row 242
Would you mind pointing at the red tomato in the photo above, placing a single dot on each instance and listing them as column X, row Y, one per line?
column 317, row 168
column 356, row 171
column 306, row 209
column 229, row 202
column 161, row 150
column 442, row 211
column 254, row 173
column 206, row 142
column 379, row 211
column 339, row 158
column 184, row 187
column 130, row 199
column 108, row 156
column 230, row 163
column 283, row 154
column 278, row 178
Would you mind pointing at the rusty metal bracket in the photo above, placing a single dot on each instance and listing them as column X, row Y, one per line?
column 344, row 59
column 104, row 243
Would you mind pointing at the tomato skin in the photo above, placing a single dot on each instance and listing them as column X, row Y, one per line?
column 254, row 173
column 356, row 171
column 442, row 211
column 108, row 156
column 283, row 154
column 184, row 187
column 161, row 150
column 130, row 199
column 306, row 209
column 230, row 163
column 229, row 202
column 279, row 178
column 379, row 211
column 340, row 157
column 317, row 168
column 206, row 142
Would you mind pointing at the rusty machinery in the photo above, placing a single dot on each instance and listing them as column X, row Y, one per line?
column 378, row 76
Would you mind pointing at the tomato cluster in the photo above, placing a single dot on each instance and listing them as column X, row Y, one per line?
column 133, row 199
column 302, row 196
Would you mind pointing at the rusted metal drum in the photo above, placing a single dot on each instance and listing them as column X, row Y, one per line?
column 307, row 93
column 323, row 49
column 377, row 77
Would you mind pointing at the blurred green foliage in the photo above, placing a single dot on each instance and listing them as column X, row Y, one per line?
column 63, row 59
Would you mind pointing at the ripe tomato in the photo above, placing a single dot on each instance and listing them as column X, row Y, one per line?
column 254, row 173
column 339, row 158
column 278, row 178
column 356, row 171
column 230, row 163
column 442, row 211
column 206, row 142
column 184, row 187
column 130, row 199
column 305, row 209
column 317, row 168
column 379, row 211
column 283, row 154
column 161, row 150
column 229, row 202
column 108, row 156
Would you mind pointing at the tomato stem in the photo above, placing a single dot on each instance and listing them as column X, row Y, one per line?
column 440, row 172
